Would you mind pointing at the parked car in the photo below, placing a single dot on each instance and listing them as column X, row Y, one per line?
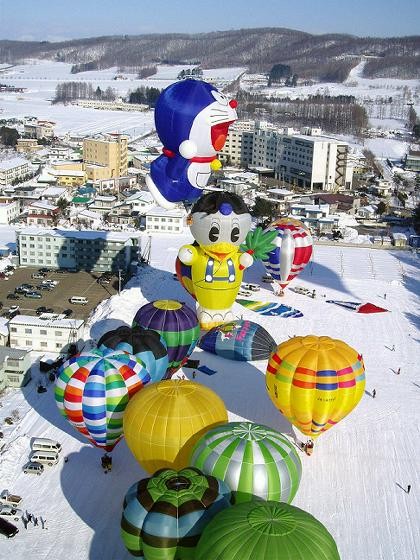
column 44, row 270
column 103, row 280
column 12, row 296
column 37, row 275
column 68, row 312
column 61, row 271
column 13, row 308
column 10, row 268
column 8, row 529
column 27, row 287
column 10, row 512
column 33, row 295
column 45, row 287
column 33, row 468
column 11, row 314
column 12, row 499
column 41, row 309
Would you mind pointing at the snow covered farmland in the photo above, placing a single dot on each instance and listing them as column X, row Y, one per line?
column 354, row 482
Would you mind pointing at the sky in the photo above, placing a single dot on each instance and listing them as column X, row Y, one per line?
column 56, row 20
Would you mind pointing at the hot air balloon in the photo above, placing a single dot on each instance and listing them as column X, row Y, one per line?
column 192, row 120
column 265, row 531
column 146, row 344
column 315, row 382
column 165, row 515
column 293, row 250
column 93, row 389
column 239, row 340
column 176, row 323
column 252, row 459
column 164, row 422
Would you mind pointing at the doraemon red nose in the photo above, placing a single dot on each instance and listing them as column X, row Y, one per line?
column 219, row 133
column 233, row 103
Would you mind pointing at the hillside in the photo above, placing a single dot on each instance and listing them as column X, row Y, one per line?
column 326, row 57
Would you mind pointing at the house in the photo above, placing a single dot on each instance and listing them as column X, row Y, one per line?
column 39, row 129
column 87, row 219
column 42, row 213
column 27, row 146
column 49, row 332
column 140, row 201
column 381, row 188
column 281, row 199
column 53, row 194
column 14, row 169
column 15, row 367
column 159, row 220
column 400, row 239
column 122, row 214
column 367, row 212
column 338, row 202
column 315, row 217
column 412, row 161
column 9, row 210
column 103, row 204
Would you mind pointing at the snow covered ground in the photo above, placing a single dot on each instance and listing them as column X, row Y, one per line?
column 355, row 481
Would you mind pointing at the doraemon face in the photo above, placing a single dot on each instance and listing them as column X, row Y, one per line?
column 210, row 127
column 221, row 233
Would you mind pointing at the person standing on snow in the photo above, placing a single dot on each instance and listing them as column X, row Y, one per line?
column 374, row 393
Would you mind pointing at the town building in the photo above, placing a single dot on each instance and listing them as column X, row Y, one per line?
column 42, row 213
column 4, row 331
column 159, row 220
column 316, row 217
column 27, row 146
column 103, row 204
column 97, row 251
column 49, row 332
column 38, row 129
column 14, row 169
column 412, row 161
column 15, row 367
column 239, row 144
column 338, row 202
column 87, row 219
column 105, row 157
column 9, row 210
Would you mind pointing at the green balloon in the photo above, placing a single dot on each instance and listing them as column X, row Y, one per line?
column 265, row 531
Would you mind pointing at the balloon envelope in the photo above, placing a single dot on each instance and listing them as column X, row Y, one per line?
column 239, row 340
column 162, row 425
column 93, row 389
column 176, row 323
column 146, row 344
column 293, row 250
column 165, row 515
column 265, row 531
column 254, row 460
column 315, row 382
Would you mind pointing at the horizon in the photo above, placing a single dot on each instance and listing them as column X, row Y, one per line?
column 20, row 21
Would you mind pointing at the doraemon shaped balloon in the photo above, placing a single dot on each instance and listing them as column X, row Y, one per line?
column 192, row 119
column 212, row 268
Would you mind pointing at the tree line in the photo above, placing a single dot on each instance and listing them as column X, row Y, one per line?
column 144, row 96
column 70, row 91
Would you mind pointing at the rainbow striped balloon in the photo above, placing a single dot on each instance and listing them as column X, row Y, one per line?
column 92, row 390
column 254, row 460
column 315, row 381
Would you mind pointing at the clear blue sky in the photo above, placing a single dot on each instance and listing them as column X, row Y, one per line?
column 65, row 19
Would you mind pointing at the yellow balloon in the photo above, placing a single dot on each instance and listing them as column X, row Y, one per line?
column 315, row 382
column 164, row 424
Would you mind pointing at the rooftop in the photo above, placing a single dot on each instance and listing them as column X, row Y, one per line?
column 158, row 211
column 83, row 234
column 51, row 321
column 7, row 164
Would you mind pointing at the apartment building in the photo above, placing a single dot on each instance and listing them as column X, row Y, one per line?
column 159, row 220
column 239, row 142
column 49, row 332
column 105, row 157
column 9, row 210
column 97, row 251
column 13, row 169
column 15, row 367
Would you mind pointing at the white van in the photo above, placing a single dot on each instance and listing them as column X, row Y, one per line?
column 49, row 458
column 44, row 444
column 81, row 300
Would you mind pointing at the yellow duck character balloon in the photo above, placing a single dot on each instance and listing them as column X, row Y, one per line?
column 213, row 265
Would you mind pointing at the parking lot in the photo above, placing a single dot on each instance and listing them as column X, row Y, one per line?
column 70, row 284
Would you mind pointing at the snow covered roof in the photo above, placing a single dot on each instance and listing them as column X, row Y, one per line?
column 144, row 196
column 7, row 352
column 44, row 204
column 50, row 322
column 80, row 234
column 283, row 192
column 106, row 198
column 158, row 211
column 7, row 164
column 89, row 214
column 3, row 326
column 54, row 191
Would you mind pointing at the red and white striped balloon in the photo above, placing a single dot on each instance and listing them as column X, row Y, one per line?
column 293, row 250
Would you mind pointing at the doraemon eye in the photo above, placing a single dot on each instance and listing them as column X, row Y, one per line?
column 219, row 97
column 214, row 232
column 234, row 234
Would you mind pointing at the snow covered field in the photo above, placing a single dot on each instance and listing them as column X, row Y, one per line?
column 354, row 482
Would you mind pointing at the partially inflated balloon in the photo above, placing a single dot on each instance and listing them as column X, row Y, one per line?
column 176, row 323
column 265, row 531
column 254, row 460
column 315, row 382
column 146, row 344
column 293, row 250
column 93, row 389
column 162, row 426
column 165, row 515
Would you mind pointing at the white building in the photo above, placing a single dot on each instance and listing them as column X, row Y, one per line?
column 9, row 210
column 86, row 218
column 49, row 332
column 103, row 204
column 316, row 217
column 159, row 220
column 15, row 367
column 140, row 202
column 13, row 169
column 238, row 146
column 4, row 331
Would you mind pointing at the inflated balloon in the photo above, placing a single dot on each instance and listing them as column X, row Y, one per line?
column 192, row 119
column 265, row 531
column 165, row 515
column 252, row 459
column 315, row 382
column 176, row 323
column 146, row 344
column 239, row 340
column 219, row 222
column 93, row 389
column 293, row 250
column 162, row 426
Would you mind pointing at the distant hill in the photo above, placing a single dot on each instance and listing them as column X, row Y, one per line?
column 323, row 57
